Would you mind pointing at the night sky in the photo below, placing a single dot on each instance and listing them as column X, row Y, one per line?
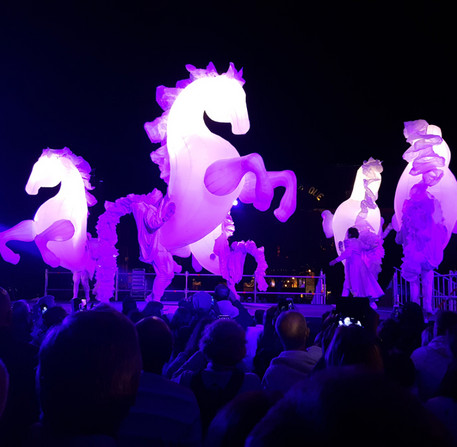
column 328, row 85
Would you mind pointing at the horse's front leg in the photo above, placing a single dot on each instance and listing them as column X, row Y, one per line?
column 288, row 203
column 224, row 176
column 284, row 179
column 60, row 231
column 24, row 231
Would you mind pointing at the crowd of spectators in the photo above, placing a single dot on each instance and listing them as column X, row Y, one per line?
column 212, row 374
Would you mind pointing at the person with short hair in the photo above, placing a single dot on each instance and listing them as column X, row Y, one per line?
column 88, row 374
column 297, row 360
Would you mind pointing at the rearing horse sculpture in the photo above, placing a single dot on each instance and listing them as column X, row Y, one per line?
column 204, row 172
column 59, row 227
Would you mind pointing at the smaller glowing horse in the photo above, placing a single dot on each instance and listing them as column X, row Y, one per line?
column 425, row 212
column 360, row 210
column 59, row 228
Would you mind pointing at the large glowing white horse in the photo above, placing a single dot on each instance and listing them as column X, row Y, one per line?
column 59, row 227
column 204, row 172
column 425, row 211
column 362, row 212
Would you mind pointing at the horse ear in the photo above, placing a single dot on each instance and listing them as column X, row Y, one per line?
column 211, row 68
column 190, row 68
column 233, row 73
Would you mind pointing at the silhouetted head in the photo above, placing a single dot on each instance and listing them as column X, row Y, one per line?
column 258, row 316
column 88, row 372
column 354, row 345
column 54, row 316
column 128, row 305
column 292, row 330
column 181, row 317
column 152, row 309
column 233, row 422
column 21, row 312
column 202, row 301
column 346, row 405
column 224, row 343
column 156, row 343
column 221, row 292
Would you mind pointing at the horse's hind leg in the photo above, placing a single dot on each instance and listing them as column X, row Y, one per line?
column 24, row 231
column 59, row 231
column 285, row 179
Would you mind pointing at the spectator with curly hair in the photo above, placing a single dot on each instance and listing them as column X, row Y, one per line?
column 224, row 345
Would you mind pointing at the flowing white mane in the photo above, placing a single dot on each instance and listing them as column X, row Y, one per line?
column 425, row 160
column 165, row 97
column 80, row 164
column 372, row 170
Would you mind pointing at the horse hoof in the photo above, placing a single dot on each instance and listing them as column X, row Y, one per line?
column 7, row 254
column 11, row 257
column 281, row 215
column 51, row 259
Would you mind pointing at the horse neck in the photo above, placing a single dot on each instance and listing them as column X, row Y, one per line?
column 186, row 114
column 443, row 151
column 72, row 189
column 358, row 190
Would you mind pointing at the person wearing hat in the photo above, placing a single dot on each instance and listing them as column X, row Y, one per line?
column 202, row 302
column 228, row 306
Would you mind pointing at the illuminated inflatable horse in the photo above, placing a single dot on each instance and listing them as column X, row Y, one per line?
column 59, row 228
column 362, row 212
column 204, row 173
column 425, row 211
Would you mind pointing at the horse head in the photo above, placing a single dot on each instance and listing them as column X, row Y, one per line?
column 223, row 97
column 47, row 172
column 367, row 181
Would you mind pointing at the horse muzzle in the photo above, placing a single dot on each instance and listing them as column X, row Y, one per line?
column 31, row 189
column 240, row 125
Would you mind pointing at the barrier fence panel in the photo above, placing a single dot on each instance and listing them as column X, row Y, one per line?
column 138, row 284
column 444, row 290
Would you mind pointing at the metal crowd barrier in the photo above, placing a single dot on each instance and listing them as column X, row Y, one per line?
column 138, row 284
column 444, row 290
